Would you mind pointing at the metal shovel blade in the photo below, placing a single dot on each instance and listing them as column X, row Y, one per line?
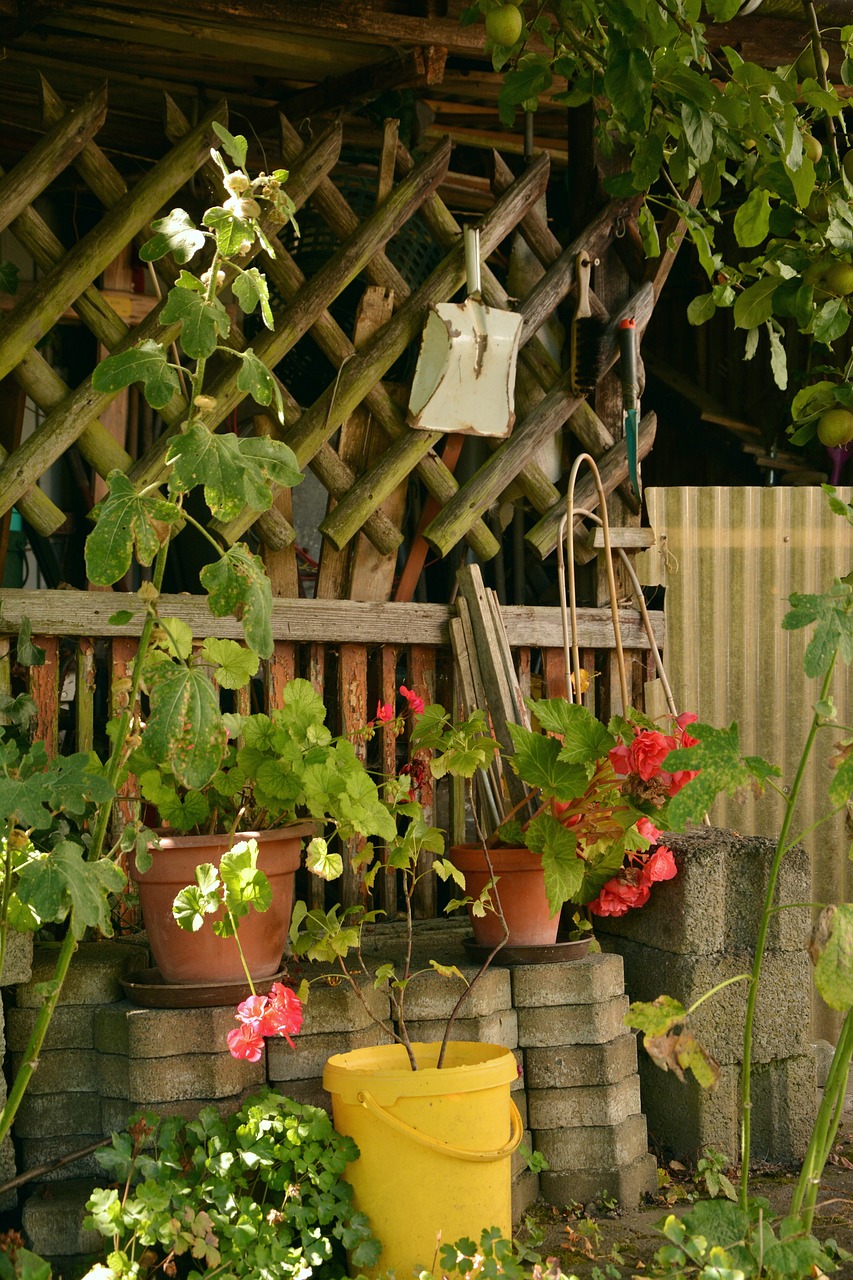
column 465, row 377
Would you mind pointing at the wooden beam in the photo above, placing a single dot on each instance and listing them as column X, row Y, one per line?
column 412, row 70
column 79, row 613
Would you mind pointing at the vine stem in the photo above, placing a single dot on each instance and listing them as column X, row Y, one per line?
column 782, row 847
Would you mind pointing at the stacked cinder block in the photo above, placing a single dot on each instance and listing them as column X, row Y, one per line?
column 17, row 968
column 696, row 931
column 61, row 1111
column 583, row 1091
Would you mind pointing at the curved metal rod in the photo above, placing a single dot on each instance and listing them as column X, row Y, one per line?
column 611, row 578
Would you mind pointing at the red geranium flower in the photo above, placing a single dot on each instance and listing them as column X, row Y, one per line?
column 384, row 712
column 244, row 1042
column 415, row 701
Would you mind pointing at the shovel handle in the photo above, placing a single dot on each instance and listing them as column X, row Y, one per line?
column 472, row 259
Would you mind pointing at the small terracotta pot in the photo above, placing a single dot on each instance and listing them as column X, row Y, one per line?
column 521, row 886
column 182, row 956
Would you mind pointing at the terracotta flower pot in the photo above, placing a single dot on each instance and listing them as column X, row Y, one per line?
column 182, row 956
column 521, row 886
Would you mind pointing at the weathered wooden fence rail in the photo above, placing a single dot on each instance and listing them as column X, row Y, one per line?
column 355, row 654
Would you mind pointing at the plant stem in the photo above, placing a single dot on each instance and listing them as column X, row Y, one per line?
column 825, row 1127
column 236, row 936
column 761, row 942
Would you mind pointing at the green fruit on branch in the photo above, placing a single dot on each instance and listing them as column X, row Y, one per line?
column 847, row 165
column 835, row 427
column 504, row 25
column 839, row 278
column 805, row 64
column 812, row 147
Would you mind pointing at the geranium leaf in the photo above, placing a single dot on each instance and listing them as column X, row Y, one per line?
column 235, row 664
column 125, row 519
column 66, row 883
column 237, row 585
column 147, row 364
column 832, row 951
column 321, row 862
column 184, row 728
column 176, row 234
column 202, row 321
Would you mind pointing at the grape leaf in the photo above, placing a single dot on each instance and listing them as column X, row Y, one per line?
column 201, row 320
column 124, row 519
column 147, row 364
column 231, row 476
column 237, row 584
column 176, row 234
column 184, row 728
column 832, row 612
column 64, row 882
column 251, row 290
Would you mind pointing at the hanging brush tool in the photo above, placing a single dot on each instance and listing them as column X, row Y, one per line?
column 630, row 397
column 586, row 334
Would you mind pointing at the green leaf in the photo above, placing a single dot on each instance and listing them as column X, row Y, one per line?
column 9, row 274
column 701, row 308
column 564, row 870
column 802, row 179
column 184, row 728
column 648, row 232
column 147, row 364
column 628, row 84
column 251, row 290
column 234, row 235
column 794, row 1258
column 755, row 304
column 321, row 862
column 235, row 664
column 536, row 761
column 176, row 234
column 752, row 220
column 27, row 653
column 237, row 585
column 646, row 165
column 246, row 887
column 201, row 321
column 178, row 637
column 125, row 519
column 121, row 618
column 656, row 1017
column 699, row 131
column 832, row 614
column 235, row 473
column 585, row 739
column 834, row 948
column 721, row 767
column 235, row 147
column 831, row 320
column 66, row 883
column 778, row 358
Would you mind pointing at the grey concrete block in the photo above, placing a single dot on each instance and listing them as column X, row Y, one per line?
column 46, row 1115
column 116, row 1112
column 572, row 1023
column 149, row 1081
column 35, row 1152
column 133, row 1032
column 594, row 1146
column 337, row 1008
column 590, row 1105
column 781, row 1026
column 53, row 1221
column 71, row 1027
column 308, row 1056
column 525, row 1192
column 590, row 980
column 628, row 1184
column 714, row 902
column 683, row 1119
column 18, row 960
column 433, row 996
column 500, row 1027
column 94, row 975
column 62, row 1071
column 307, row 1092
column 569, row 1066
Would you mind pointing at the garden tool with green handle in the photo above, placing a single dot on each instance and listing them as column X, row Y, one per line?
column 630, row 398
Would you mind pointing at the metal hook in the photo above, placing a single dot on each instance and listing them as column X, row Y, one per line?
column 619, row 228
column 306, row 130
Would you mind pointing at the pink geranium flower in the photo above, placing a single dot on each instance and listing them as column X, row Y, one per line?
column 415, row 701
column 244, row 1042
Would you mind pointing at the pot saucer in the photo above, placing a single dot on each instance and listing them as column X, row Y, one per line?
column 534, row 953
column 149, row 988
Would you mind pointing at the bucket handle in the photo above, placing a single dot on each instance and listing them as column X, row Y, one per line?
column 446, row 1148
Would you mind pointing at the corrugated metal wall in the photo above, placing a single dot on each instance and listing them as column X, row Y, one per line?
column 729, row 559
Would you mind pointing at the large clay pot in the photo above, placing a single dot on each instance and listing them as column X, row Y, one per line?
column 521, row 886
column 202, row 957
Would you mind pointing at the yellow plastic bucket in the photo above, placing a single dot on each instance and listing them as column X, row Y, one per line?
column 435, row 1144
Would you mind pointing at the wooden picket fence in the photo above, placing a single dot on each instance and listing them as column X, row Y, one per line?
column 356, row 654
